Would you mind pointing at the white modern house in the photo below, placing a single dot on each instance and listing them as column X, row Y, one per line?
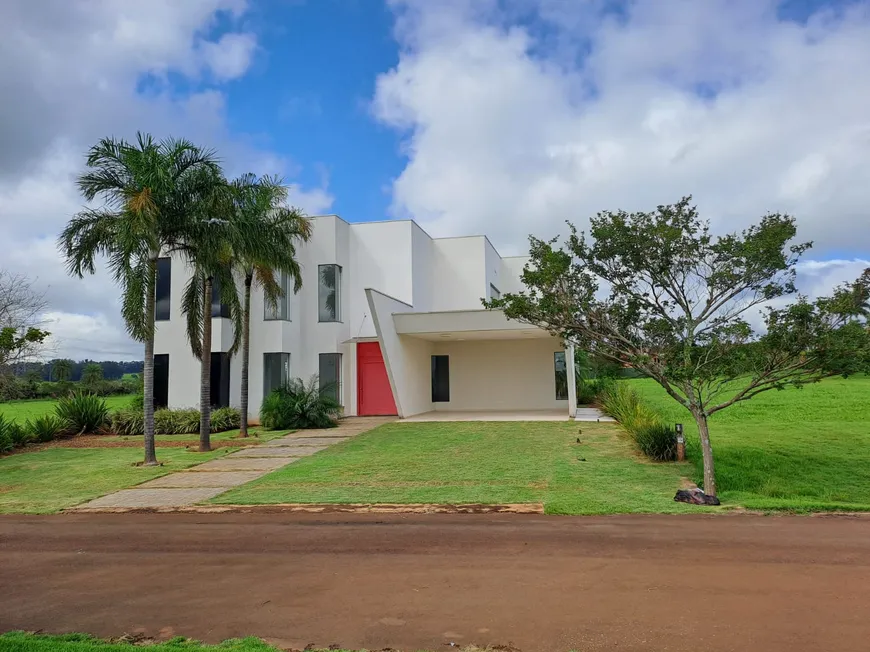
column 390, row 317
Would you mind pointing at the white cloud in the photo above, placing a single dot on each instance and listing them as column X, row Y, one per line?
column 79, row 71
column 230, row 56
column 508, row 132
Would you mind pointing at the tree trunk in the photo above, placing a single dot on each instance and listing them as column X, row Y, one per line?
column 148, row 369
column 246, row 353
column 707, row 453
column 205, row 371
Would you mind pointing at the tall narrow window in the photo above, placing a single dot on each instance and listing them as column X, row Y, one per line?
column 220, row 380
column 161, row 380
column 328, row 293
column 330, row 375
column 561, row 376
column 494, row 292
column 218, row 309
column 281, row 310
column 276, row 371
column 440, row 378
column 164, row 285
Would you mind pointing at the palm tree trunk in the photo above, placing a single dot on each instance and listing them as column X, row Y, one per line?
column 246, row 354
column 148, row 369
column 205, row 371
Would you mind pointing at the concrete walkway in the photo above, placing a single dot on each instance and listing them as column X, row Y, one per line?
column 210, row 479
column 587, row 413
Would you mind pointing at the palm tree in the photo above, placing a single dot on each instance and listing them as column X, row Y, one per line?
column 265, row 200
column 61, row 370
column 92, row 374
column 153, row 194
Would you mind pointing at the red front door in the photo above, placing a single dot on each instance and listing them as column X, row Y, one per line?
column 374, row 396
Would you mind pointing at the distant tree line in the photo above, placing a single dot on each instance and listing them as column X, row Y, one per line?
column 65, row 369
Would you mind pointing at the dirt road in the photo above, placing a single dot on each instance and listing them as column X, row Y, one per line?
column 540, row 583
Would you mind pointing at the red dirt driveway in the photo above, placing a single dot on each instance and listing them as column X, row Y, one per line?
column 422, row 581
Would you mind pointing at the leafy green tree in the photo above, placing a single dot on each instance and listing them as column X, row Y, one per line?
column 61, row 370
column 273, row 257
column 92, row 374
column 673, row 303
column 154, row 194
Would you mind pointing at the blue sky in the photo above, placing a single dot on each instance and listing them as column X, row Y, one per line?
column 496, row 117
column 309, row 92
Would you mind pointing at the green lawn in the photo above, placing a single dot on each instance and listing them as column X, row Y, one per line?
column 22, row 642
column 797, row 449
column 21, row 410
column 57, row 478
column 474, row 462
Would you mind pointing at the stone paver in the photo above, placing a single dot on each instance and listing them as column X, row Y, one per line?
column 240, row 464
column 291, row 452
column 200, row 483
column 202, row 479
column 133, row 498
column 591, row 414
column 308, row 441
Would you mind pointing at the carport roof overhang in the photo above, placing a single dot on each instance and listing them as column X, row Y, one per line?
column 464, row 324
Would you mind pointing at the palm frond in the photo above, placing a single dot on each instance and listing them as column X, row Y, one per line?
column 191, row 307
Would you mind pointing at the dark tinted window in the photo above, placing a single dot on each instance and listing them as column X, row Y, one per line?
column 561, row 376
column 220, row 380
column 328, row 293
column 218, row 309
column 164, row 283
column 161, row 380
column 276, row 371
column 330, row 375
column 440, row 378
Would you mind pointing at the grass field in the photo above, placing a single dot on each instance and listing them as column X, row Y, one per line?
column 475, row 462
column 797, row 449
column 23, row 642
column 21, row 410
column 57, row 478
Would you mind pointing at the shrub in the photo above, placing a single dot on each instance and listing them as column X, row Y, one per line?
column 589, row 390
column 44, row 428
column 299, row 405
column 655, row 439
column 13, row 435
column 82, row 413
column 225, row 418
column 7, row 443
column 128, row 422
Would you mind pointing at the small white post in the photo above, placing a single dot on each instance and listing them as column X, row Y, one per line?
column 572, row 380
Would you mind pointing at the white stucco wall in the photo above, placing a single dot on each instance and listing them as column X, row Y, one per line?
column 380, row 257
column 458, row 273
column 501, row 375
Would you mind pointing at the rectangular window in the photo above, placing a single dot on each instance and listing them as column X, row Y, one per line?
column 561, row 376
column 328, row 293
column 330, row 375
column 218, row 309
column 276, row 371
column 282, row 309
column 494, row 292
column 220, row 380
column 164, row 283
column 440, row 378
column 161, row 380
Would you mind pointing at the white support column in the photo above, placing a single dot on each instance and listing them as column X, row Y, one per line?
column 572, row 380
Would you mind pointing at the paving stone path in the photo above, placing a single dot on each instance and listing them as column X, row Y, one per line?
column 591, row 414
column 210, row 479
